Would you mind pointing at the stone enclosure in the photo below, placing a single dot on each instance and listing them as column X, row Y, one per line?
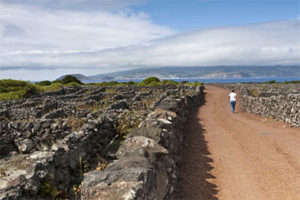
column 276, row 101
column 94, row 142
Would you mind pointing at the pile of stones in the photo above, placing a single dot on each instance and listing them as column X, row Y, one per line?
column 82, row 142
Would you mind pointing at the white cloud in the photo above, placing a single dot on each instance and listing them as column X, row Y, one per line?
column 72, row 41
column 259, row 44
column 35, row 30
column 27, row 33
column 76, row 4
column 274, row 43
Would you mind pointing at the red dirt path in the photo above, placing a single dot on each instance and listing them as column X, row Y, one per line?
column 237, row 156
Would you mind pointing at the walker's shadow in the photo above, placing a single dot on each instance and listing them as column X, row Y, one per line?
column 194, row 168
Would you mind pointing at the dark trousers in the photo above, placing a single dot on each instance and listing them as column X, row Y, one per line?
column 232, row 105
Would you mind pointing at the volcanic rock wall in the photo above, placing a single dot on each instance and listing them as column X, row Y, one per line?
column 145, row 167
column 70, row 143
column 277, row 101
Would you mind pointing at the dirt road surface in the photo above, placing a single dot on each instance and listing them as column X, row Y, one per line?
column 237, row 156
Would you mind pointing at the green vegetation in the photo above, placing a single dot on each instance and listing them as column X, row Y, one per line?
column 13, row 89
column 47, row 188
column 196, row 83
column 44, row 83
column 3, row 171
column 285, row 82
column 126, row 123
column 150, row 80
column 110, row 90
column 68, row 79
column 293, row 82
column 75, row 123
column 110, row 83
column 271, row 81
column 254, row 93
column 102, row 163
column 52, row 87
column 154, row 81
column 130, row 83
column 169, row 82
column 72, row 84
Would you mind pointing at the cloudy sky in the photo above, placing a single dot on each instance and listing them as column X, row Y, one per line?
column 43, row 39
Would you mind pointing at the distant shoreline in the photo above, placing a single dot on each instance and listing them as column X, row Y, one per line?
column 215, row 80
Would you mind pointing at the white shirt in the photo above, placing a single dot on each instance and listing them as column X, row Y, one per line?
column 232, row 96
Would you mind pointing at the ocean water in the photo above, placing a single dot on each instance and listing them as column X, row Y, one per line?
column 241, row 80
column 229, row 80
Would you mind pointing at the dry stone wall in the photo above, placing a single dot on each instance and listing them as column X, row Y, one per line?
column 56, row 145
column 277, row 101
column 145, row 167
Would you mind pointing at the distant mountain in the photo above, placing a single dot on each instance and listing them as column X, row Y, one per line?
column 195, row 73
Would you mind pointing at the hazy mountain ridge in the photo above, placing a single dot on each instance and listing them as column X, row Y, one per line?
column 196, row 73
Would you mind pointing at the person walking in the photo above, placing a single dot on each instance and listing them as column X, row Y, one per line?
column 232, row 97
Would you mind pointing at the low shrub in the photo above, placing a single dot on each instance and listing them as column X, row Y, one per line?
column 130, row 83
column 69, row 79
column 254, row 93
column 50, row 88
column 44, row 83
column 72, row 84
column 110, row 83
column 271, row 81
column 15, row 89
column 293, row 82
column 196, row 83
column 150, row 80
column 111, row 90
column 169, row 82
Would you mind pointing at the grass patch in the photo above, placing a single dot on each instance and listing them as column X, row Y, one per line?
column 110, row 83
column 75, row 123
column 285, row 82
column 110, row 91
column 3, row 171
column 254, row 93
column 90, row 107
column 148, row 102
column 169, row 82
column 270, row 82
column 102, row 163
column 14, row 89
column 150, row 80
column 71, row 84
column 51, row 88
column 44, row 83
column 126, row 123
column 47, row 188
column 291, row 82
column 195, row 83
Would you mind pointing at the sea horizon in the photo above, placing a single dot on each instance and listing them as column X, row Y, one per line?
column 213, row 80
